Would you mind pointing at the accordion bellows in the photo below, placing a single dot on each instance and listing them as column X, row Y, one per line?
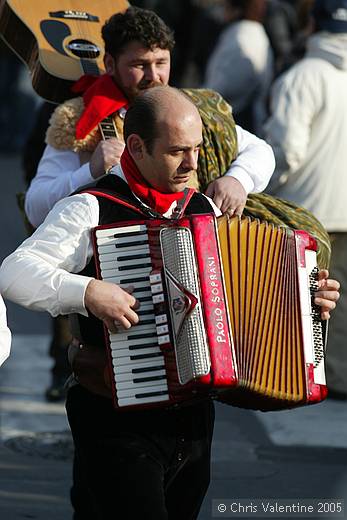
column 226, row 311
column 269, row 317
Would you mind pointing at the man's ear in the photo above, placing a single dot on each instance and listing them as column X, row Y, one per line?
column 110, row 64
column 136, row 147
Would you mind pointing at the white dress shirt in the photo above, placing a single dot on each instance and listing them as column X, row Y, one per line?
column 60, row 173
column 5, row 334
column 41, row 273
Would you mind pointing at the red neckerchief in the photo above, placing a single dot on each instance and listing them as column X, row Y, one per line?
column 157, row 200
column 101, row 98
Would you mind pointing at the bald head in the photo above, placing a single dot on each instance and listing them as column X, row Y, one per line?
column 156, row 109
column 163, row 133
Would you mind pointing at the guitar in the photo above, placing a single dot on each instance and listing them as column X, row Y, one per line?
column 59, row 40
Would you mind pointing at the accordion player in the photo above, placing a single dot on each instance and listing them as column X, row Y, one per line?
column 225, row 310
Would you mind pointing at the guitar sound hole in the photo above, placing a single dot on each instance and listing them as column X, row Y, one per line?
column 83, row 49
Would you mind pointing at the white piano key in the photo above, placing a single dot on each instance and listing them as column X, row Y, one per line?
column 134, row 331
column 131, row 264
column 124, row 385
column 126, row 352
column 138, row 367
column 130, row 376
column 149, row 335
column 125, row 360
column 142, row 341
column 142, row 294
column 107, row 232
column 132, row 392
column 144, row 400
column 125, row 256
column 130, row 279
column 109, row 273
column 122, row 243
column 110, row 249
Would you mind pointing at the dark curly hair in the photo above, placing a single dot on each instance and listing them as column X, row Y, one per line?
column 136, row 24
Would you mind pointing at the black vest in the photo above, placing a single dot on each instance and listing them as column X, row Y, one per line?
column 90, row 330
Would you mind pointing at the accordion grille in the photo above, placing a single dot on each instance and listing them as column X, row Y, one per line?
column 260, row 271
column 192, row 353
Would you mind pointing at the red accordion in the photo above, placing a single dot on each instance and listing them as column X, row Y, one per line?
column 225, row 310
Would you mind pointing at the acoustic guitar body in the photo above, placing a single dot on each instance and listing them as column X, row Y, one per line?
column 59, row 40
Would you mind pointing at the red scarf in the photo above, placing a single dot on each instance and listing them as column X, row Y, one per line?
column 101, row 98
column 158, row 201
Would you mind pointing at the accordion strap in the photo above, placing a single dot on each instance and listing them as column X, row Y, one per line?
column 114, row 198
column 142, row 209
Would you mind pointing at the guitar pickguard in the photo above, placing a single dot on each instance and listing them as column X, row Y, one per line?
column 55, row 33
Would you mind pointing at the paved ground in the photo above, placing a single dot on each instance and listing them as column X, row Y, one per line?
column 298, row 454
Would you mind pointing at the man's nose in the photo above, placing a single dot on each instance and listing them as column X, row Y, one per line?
column 190, row 160
column 152, row 73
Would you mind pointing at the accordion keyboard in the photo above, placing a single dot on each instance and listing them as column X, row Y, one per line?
column 138, row 362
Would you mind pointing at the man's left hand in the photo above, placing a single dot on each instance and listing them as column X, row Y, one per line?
column 327, row 294
column 228, row 194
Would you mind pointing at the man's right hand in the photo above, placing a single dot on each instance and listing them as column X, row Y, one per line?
column 110, row 303
column 106, row 154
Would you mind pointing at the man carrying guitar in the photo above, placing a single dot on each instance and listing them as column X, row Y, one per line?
column 138, row 46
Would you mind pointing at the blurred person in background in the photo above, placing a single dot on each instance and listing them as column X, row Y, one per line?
column 281, row 24
column 16, row 104
column 241, row 65
column 5, row 333
column 308, row 132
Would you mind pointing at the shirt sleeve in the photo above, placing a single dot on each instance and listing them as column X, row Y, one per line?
column 5, row 334
column 41, row 273
column 59, row 174
column 254, row 164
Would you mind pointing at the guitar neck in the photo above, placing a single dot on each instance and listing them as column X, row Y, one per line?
column 108, row 128
column 90, row 67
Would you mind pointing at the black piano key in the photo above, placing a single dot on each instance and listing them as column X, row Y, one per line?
column 142, row 336
column 132, row 257
column 130, row 267
column 145, row 356
column 150, row 394
column 130, row 234
column 144, row 299
column 147, row 379
column 145, row 322
column 135, row 280
column 125, row 244
column 147, row 369
column 144, row 312
column 139, row 347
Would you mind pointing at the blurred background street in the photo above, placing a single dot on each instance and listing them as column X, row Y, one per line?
column 293, row 454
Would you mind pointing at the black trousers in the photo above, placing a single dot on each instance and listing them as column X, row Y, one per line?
column 148, row 464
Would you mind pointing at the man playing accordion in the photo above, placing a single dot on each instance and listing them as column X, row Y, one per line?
column 150, row 464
